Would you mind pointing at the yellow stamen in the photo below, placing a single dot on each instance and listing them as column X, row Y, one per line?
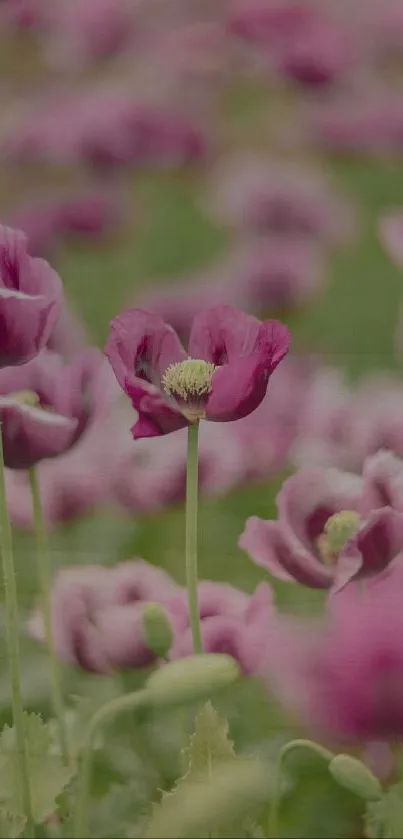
column 189, row 382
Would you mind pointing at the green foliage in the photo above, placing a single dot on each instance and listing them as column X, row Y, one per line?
column 356, row 777
column 48, row 775
column 384, row 818
column 122, row 813
column 11, row 825
column 209, row 744
column 219, row 792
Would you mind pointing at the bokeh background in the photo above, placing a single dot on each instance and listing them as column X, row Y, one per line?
column 194, row 88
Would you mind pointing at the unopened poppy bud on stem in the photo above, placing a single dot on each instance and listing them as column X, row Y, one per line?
column 158, row 633
column 356, row 777
column 191, row 678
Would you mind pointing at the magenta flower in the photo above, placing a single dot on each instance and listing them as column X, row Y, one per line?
column 265, row 196
column 106, row 128
column 232, row 622
column 325, row 535
column 91, row 214
column 45, row 406
column 86, row 31
column 274, row 274
column 344, row 677
column 369, row 123
column 73, row 484
column 97, row 614
column 223, row 377
column 31, row 297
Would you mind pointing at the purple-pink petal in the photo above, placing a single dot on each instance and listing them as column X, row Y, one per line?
column 376, row 544
column 156, row 416
column 141, row 345
column 310, row 497
column 31, row 434
column 222, row 334
column 270, row 545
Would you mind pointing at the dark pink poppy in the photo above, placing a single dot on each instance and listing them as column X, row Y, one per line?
column 223, row 376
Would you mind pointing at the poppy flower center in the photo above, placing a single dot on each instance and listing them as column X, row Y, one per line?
column 339, row 528
column 26, row 397
column 189, row 383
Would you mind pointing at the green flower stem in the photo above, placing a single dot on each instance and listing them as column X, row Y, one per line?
column 111, row 709
column 326, row 754
column 13, row 644
column 44, row 577
column 192, row 487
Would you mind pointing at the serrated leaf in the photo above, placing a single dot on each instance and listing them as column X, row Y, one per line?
column 11, row 826
column 215, row 805
column 384, row 818
column 210, row 742
column 48, row 776
column 209, row 750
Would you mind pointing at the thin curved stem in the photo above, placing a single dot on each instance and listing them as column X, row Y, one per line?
column 192, row 488
column 111, row 709
column 44, row 577
column 13, row 646
column 326, row 754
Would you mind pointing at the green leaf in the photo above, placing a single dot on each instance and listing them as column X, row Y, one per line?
column 11, row 825
column 76, row 722
column 384, row 818
column 48, row 776
column 217, row 805
column 193, row 805
column 209, row 744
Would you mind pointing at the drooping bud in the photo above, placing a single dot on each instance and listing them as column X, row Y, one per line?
column 191, row 678
column 157, row 629
column 189, row 383
column 340, row 527
column 356, row 777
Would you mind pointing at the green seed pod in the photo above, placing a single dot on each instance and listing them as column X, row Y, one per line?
column 191, row 678
column 356, row 777
column 158, row 633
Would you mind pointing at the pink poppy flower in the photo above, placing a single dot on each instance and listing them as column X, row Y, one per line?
column 97, row 614
column 265, row 196
column 300, row 41
column 232, row 622
column 45, row 406
column 86, row 31
column 366, row 122
column 31, row 296
column 343, row 678
column 274, row 274
column 326, row 533
column 223, row 376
